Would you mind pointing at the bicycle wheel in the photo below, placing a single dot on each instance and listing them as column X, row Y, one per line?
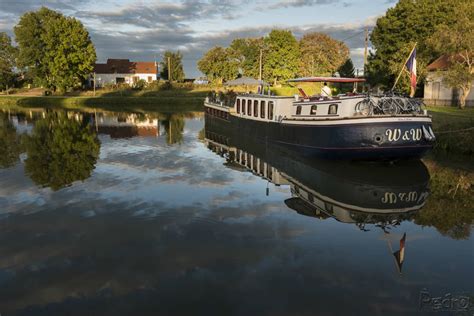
column 364, row 107
column 389, row 106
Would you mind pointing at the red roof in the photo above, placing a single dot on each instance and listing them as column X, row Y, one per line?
column 442, row 63
column 125, row 66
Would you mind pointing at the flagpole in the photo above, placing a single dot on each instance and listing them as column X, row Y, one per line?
column 403, row 66
column 391, row 253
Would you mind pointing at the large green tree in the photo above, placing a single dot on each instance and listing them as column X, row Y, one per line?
column 218, row 65
column 321, row 54
column 347, row 69
column 457, row 41
column 395, row 34
column 60, row 151
column 7, row 61
column 176, row 60
column 56, row 50
column 281, row 58
column 246, row 52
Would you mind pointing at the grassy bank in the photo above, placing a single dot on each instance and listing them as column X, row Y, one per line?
column 110, row 103
column 454, row 129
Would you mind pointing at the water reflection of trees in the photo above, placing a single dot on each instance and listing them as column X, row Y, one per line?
column 450, row 208
column 60, row 151
column 10, row 147
column 173, row 125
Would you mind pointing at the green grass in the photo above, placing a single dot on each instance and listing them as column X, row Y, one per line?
column 454, row 129
column 109, row 103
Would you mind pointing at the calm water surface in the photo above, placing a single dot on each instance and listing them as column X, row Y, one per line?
column 170, row 214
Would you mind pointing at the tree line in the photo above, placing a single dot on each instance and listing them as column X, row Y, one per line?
column 56, row 52
column 277, row 57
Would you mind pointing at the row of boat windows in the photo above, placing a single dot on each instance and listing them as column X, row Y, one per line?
column 332, row 110
column 255, row 164
column 245, row 107
column 217, row 113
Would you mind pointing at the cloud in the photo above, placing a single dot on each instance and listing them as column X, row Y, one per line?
column 300, row 3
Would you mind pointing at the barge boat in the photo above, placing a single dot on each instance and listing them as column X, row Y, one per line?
column 348, row 126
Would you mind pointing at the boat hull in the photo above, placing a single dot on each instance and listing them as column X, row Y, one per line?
column 386, row 138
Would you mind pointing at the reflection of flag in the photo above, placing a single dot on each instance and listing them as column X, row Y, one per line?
column 411, row 68
column 400, row 254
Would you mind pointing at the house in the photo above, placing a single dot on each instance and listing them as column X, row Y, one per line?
column 436, row 92
column 116, row 71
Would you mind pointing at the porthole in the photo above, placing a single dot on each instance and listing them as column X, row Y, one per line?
column 332, row 109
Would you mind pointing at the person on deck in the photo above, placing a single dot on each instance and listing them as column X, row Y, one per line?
column 326, row 91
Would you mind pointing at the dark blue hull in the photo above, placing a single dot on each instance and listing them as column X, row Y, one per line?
column 386, row 140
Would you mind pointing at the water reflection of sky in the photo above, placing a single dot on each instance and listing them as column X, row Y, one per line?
column 168, row 229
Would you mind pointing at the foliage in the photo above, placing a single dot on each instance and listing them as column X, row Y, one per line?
column 449, row 208
column 396, row 33
column 56, row 50
column 140, row 84
column 218, row 65
column 347, row 69
column 458, row 41
column 10, row 147
column 7, row 61
column 281, row 56
column 246, row 52
column 60, row 151
column 321, row 54
column 176, row 59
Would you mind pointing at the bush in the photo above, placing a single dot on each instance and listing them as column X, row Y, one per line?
column 166, row 86
column 139, row 85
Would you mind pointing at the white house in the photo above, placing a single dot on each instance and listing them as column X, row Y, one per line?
column 436, row 92
column 116, row 71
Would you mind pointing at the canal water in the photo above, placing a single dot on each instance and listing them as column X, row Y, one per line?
column 176, row 214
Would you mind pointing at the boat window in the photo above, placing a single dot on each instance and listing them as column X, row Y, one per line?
column 243, row 106
column 238, row 105
column 332, row 109
column 255, row 108
column 298, row 110
column 249, row 107
column 270, row 110
column 262, row 109
column 313, row 109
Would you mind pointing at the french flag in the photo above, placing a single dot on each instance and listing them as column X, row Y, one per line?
column 411, row 68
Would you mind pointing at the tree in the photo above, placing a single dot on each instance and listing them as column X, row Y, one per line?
column 218, row 64
column 57, row 50
column 347, row 69
column 281, row 56
column 321, row 54
column 7, row 61
column 246, row 52
column 457, row 42
column 10, row 148
column 395, row 34
column 177, row 72
column 60, row 151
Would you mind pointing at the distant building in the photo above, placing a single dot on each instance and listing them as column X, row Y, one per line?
column 436, row 92
column 116, row 71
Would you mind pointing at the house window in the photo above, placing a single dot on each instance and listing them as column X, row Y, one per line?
column 313, row 109
column 262, row 109
column 135, row 79
column 270, row 110
column 298, row 110
column 249, row 107
column 332, row 109
column 238, row 105
column 243, row 106
column 150, row 78
column 255, row 108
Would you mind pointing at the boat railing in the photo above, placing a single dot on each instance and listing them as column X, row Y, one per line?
column 389, row 104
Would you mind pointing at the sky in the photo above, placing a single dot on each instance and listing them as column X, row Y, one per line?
column 143, row 30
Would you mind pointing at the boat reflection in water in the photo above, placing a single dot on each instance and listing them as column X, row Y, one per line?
column 360, row 193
